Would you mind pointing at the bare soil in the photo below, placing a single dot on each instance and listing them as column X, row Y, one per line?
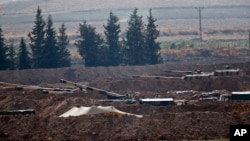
column 196, row 120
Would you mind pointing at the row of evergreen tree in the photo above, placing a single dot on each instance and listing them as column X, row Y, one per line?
column 49, row 49
column 9, row 59
column 138, row 48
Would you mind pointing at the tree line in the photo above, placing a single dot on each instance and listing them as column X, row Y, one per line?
column 47, row 48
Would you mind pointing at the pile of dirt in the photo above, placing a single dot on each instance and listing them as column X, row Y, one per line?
column 208, row 120
column 196, row 120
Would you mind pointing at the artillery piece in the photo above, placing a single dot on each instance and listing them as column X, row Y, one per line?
column 226, row 72
column 196, row 74
column 111, row 96
column 11, row 86
column 155, row 77
column 186, row 72
column 17, row 112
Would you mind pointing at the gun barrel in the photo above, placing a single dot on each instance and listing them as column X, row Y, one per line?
column 17, row 112
column 104, row 92
column 73, row 84
column 155, row 77
column 4, row 84
column 93, row 89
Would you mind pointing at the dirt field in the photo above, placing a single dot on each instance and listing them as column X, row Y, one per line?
column 196, row 120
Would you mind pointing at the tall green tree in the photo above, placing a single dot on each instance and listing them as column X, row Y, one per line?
column 24, row 60
column 12, row 57
column 135, row 40
column 3, row 52
column 152, row 46
column 88, row 44
column 37, row 39
column 103, row 55
column 112, row 30
column 50, row 50
column 124, row 52
column 64, row 54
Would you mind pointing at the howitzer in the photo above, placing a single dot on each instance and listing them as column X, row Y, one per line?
column 11, row 86
column 198, row 76
column 187, row 72
column 155, row 77
column 110, row 95
column 4, row 84
column 17, row 112
column 48, row 90
column 57, row 90
column 127, row 101
column 226, row 72
column 80, row 86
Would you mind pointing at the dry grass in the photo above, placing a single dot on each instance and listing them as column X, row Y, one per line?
column 227, row 33
column 214, row 51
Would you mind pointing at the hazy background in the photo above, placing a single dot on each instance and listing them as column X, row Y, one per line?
column 176, row 19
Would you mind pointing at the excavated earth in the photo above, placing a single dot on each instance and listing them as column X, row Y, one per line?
column 194, row 121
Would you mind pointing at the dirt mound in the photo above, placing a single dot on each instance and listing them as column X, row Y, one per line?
column 197, row 120
column 209, row 120
column 233, row 83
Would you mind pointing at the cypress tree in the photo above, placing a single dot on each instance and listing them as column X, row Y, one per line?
column 12, row 57
column 112, row 30
column 64, row 54
column 37, row 39
column 124, row 52
column 50, row 50
column 103, row 55
column 88, row 44
column 24, row 60
column 152, row 46
column 3, row 52
column 135, row 40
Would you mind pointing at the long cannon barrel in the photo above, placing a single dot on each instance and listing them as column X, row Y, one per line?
column 17, row 112
column 11, row 86
column 226, row 72
column 155, row 77
column 56, row 89
column 110, row 95
column 182, row 71
column 47, row 90
column 198, row 76
column 73, row 84
column 4, row 84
